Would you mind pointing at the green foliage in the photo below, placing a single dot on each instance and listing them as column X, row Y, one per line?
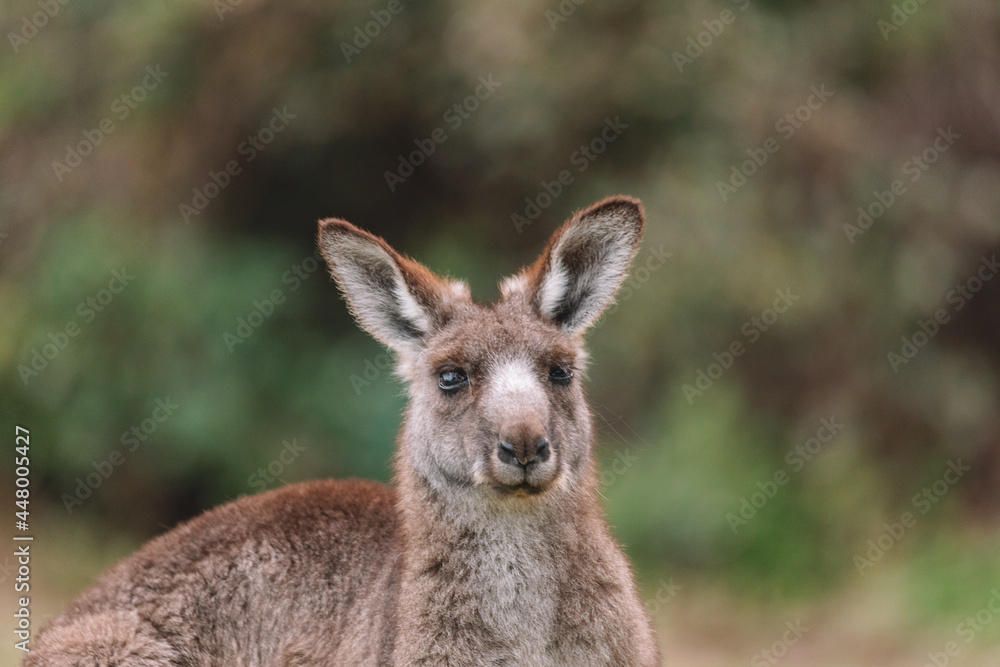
column 712, row 263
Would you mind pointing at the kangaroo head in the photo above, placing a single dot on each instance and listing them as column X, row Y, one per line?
column 496, row 402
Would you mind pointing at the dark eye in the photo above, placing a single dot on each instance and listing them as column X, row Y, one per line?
column 452, row 380
column 560, row 375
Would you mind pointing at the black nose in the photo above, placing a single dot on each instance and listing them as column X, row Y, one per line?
column 524, row 451
column 542, row 450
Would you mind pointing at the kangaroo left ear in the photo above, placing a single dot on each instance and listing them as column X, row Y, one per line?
column 395, row 299
column 585, row 262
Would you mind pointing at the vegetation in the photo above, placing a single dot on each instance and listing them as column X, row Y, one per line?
column 806, row 347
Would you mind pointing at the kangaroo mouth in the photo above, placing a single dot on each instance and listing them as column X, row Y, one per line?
column 521, row 489
column 522, row 481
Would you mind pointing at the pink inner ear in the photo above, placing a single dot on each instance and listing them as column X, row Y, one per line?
column 396, row 299
column 584, row 263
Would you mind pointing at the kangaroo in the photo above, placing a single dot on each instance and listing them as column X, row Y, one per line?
column 492, row 548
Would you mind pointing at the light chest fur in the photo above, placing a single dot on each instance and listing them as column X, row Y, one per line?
column 511, row 560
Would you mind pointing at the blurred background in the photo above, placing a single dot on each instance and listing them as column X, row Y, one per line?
column 797, row 393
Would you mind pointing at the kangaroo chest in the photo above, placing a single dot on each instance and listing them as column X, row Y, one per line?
column 519, row 595
column 493, row 595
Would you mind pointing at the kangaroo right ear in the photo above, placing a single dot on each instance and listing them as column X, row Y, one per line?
column 586, row 260
column 395, row 299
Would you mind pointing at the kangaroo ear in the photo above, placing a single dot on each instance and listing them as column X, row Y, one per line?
column 395, row 299
column 584, row 264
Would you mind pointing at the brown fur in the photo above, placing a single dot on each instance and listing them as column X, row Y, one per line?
column 483, row 556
